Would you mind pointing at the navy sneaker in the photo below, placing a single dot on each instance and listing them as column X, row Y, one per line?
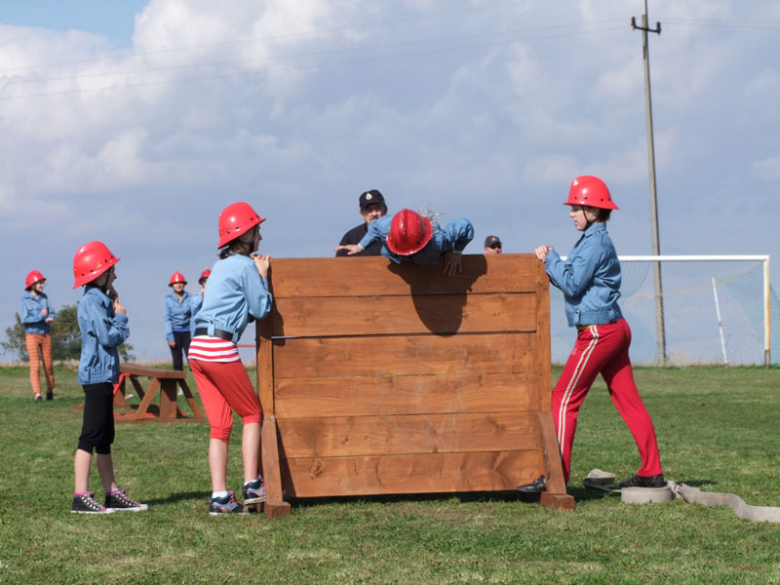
column 84, row 503
column 49, row 396
column 254, row 491
column 117, row 500
column 226, row 505
column 652, row 481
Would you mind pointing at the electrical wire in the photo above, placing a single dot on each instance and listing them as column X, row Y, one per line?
column 310, row 66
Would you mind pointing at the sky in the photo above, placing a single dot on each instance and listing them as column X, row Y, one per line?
column 136, row 122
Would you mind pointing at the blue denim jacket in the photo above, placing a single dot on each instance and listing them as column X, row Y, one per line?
column 30, row 313
column 177, row 316
column 235, row 293
column 589, row 279
column 102, row 331
column 454, row 236
column 196, row 302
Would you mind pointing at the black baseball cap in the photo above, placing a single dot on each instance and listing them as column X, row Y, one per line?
column 369, row 198
column 491, row 241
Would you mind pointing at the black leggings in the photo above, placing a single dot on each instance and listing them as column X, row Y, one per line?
column 97, row 430
column 182, row 339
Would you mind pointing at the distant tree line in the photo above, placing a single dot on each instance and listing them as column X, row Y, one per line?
column 65, row 337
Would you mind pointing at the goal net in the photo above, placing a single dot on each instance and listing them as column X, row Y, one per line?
column 716, row 309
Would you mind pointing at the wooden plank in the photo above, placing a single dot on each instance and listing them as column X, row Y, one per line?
column 542, row 345
column 399, row 356
column 390, row 395
column 168, row 402
column 147, row 400
column 389, row 435
column 376, row 276
column 136, row 370
column 409, row 474
column 563, row 502
column 551, row 454
column 265, row 366
column 196, row 413
column 274, row 502
column 405, row 314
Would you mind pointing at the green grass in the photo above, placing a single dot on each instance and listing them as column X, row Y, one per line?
column 717, row 429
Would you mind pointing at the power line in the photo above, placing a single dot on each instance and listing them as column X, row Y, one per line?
column 304, row 54
column 306, row 67
column 312, row 32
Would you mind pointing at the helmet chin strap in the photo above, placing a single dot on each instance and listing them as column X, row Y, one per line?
column 589, row 222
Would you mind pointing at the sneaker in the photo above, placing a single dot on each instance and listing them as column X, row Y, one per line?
column 254, row 491
column 50, row 396
column 117, row 500
column 84, row 503
column 38, row 397
column 226, row 505
column 653, row 481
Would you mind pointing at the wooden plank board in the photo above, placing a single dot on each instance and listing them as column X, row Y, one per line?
column 409, row 474
column 399, row 356
column 136, row 370
column 391, row 395
column 389, row 435
column 374, row 276
column 405, row 314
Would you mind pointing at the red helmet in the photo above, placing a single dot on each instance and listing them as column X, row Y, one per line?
column 91, row 261
column 32, row 278
column 409, row 232
column 204, row 275
column 235, row 220
column 590, row 191
column 177, row 277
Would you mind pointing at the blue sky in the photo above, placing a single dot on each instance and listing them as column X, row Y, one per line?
column 135, row 123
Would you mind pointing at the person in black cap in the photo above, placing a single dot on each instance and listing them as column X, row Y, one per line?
column 372, row 206
column 492, row 245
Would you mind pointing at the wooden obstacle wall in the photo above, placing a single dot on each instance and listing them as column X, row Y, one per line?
column 377, row 378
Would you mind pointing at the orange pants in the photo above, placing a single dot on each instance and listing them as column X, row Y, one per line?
column 34, row 343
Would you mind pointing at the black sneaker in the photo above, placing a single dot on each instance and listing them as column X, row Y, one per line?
column 118, row 501
column 84, row 503
column 653, row 481
column 254, row 491
column 226, row 505
column 50, row 396
column 537, row 486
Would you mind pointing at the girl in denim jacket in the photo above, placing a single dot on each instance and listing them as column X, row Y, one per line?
column 590, row 282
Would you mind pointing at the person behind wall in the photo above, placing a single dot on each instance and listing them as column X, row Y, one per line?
column 237, row 293
column 493, row 245
column 103, row 324
column 36, row 316
column 177, row 314
column 372, row 207
column 590, row 281
column 411, row 237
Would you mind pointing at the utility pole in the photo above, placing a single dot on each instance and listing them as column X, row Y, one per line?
column 658, row 284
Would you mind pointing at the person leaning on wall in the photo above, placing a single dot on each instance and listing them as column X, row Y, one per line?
column 372, row 207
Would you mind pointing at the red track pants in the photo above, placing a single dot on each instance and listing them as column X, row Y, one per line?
column 603, row 349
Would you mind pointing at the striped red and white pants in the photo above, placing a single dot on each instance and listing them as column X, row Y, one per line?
column 35, row 343
column 603, row 349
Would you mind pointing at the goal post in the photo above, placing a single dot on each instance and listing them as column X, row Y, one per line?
column 712, row 303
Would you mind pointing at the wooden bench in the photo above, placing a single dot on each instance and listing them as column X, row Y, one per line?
column 167, row 382
column 378, row 378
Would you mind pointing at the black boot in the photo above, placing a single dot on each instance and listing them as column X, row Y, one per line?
column 536, row 486
column 653, row 481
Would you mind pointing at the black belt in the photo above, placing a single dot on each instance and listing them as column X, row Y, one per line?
column 226, row 335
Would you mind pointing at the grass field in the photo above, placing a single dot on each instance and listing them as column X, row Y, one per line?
column 717, row 429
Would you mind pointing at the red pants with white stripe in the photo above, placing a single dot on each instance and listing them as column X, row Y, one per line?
column 603, row 349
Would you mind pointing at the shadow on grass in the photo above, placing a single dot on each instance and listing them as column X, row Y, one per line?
column 180, row 497
column 464, row 498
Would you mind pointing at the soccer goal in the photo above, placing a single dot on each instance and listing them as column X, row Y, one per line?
column 714, row 309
